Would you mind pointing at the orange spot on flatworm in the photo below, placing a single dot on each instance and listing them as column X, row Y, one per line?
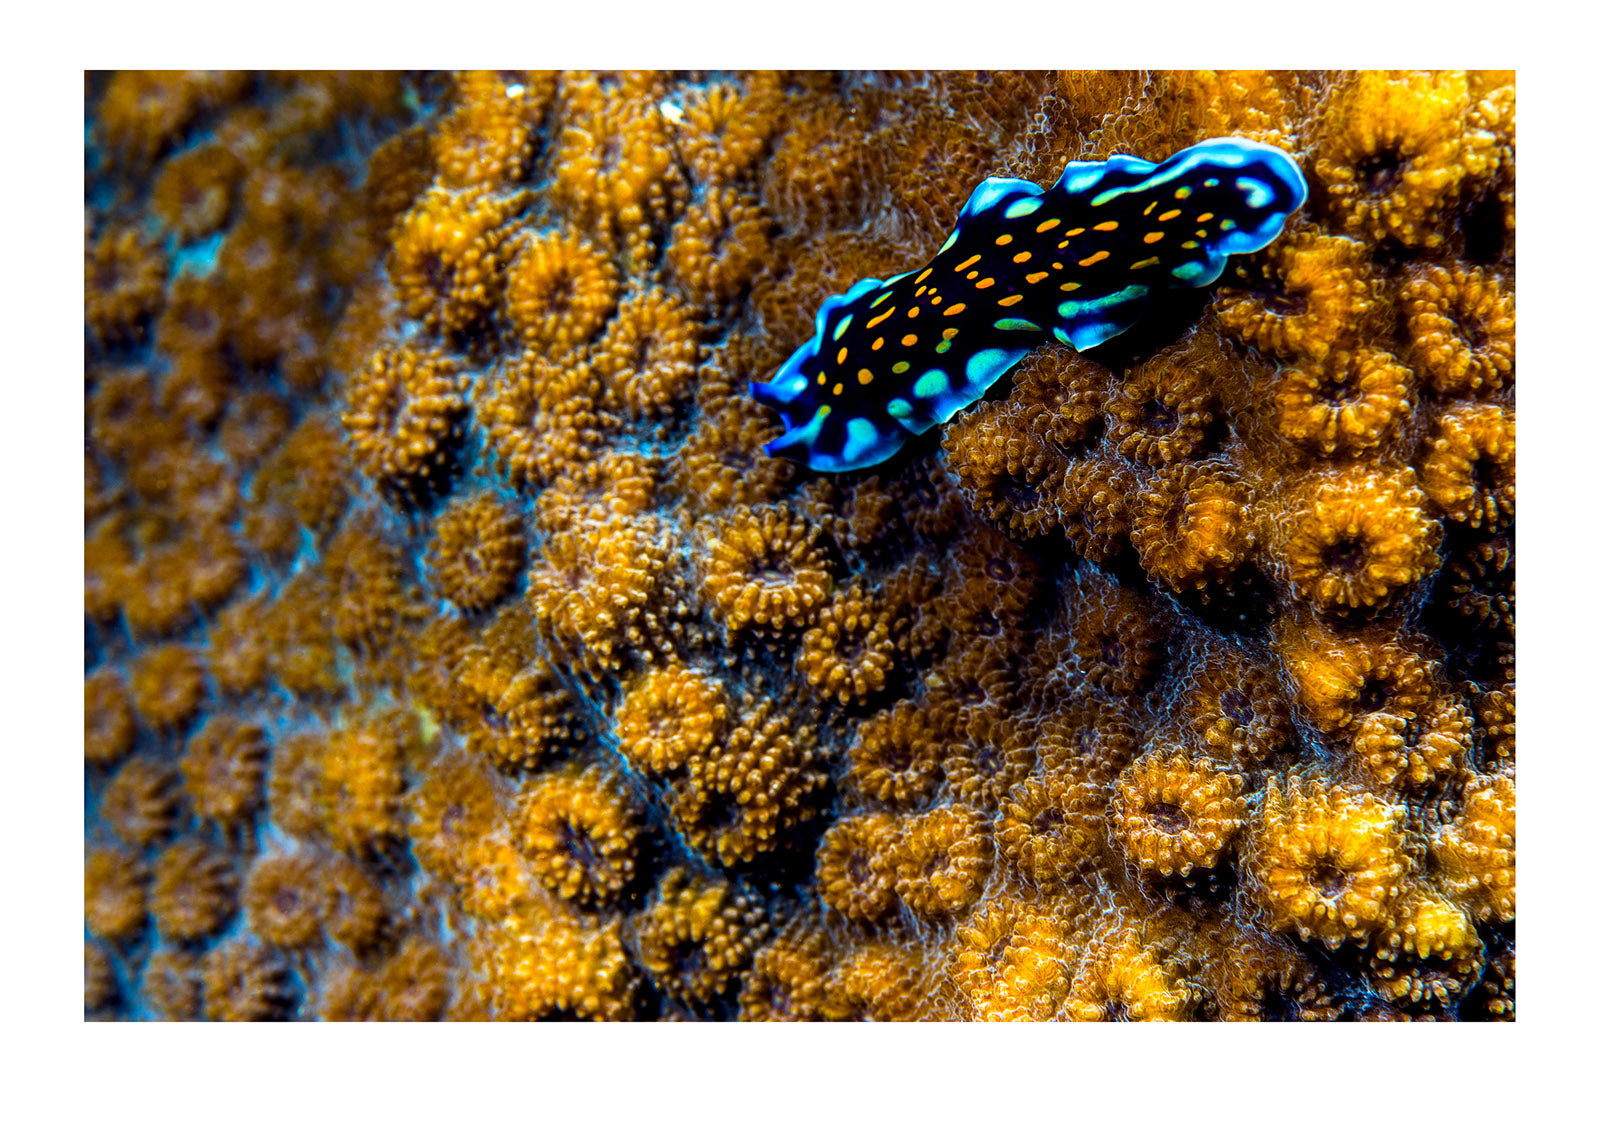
column 1022, row 257
column 1037, row 275
column 909, row 340
column 1011, row 300
column 1108, row 226
column 1165, row 216
column 1003, row 240
column 880, row 318
column 965, row 263
column 956, row 309
column 1093, row 259
column 1152, row 237
column 985, row 283
column 864, row 376
column 1047, row 225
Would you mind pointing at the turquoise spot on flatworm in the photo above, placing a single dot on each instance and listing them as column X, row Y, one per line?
column 1252, row 188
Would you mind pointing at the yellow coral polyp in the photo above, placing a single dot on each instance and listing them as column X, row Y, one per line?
column 449, row 254
column 1172, row 814
column 580, row 835
column 1193, row 526
column 669, row 716
column 1358, row 537
column 1392, row 151
column 1477, row 851
column 764, row 568
column 1350, row 402
column 1315, row 293
column 404, row 410
column 559, row 292
column 696, row 936
column 477, row 551
column 1326, row 861
column 942, row 860
column 851, row 650
column 1470, row 469
column 855, row 875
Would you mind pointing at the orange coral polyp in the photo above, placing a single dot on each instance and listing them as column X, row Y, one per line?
column 1350, row 402
column 559, row 292
column 764, row 569
column 1359, row 537
column 404, row 412
column 1470, row 469
column 1326, row 861
column 669, row 716
column 476, row 552
column 579, row 834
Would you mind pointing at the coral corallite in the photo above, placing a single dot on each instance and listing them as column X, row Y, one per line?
column 1172, row 814
column 476, row 552
column 1358, row 538
column 764, row 568
column 404, row 410
column 1326, row 861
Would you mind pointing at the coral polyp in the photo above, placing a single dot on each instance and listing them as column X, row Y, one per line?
column 668, row 545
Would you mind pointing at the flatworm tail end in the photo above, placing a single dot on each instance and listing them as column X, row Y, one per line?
column 1081, row 261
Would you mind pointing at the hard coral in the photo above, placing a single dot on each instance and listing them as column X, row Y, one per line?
column 1359, row 537
column 767, row 568
column 877, row 747
column 404, row 414
column 559, row 292
column 1326, row 860
column 476, row 552
column 697, row 935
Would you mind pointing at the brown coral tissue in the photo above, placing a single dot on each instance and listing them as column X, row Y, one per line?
column 455, row 650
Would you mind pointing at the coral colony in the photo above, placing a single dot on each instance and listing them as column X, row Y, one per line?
column 534, row 570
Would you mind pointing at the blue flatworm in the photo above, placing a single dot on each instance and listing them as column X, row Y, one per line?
column 1080, row 261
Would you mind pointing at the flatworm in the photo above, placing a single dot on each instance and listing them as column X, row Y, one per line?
column 1082, row 260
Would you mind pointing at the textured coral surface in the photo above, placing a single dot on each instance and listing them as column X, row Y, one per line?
column 453, row 650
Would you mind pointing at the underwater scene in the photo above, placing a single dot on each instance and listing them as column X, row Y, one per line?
column 813, row 546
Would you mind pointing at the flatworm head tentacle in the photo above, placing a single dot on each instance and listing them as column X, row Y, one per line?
column 1081, row 261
